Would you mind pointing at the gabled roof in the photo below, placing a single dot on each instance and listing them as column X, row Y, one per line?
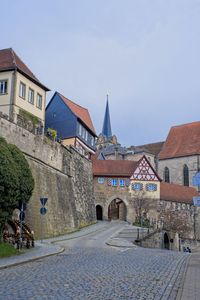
column 125, row 168
column 80, row 112
column 177, row 193
column 182, row 140
column 9, row 61
column 121, row 168
column 153, row 148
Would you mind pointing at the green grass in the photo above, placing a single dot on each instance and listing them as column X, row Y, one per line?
column 7, row 250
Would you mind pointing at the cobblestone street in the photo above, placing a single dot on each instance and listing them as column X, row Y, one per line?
column 90, row 272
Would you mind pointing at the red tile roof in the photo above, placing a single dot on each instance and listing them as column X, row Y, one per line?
column 79, row 111
column 182, row 140
column 121, row 168
column 177, row 193
column 9, row 60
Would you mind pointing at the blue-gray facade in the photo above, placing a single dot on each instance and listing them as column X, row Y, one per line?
column 59, row 116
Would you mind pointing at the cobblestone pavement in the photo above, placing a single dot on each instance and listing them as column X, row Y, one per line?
column 89, row 271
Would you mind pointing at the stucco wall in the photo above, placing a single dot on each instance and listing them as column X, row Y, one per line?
column 5, row 99
column 23, row 103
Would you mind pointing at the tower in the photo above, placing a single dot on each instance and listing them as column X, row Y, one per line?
column 106, row 139
column 106, row 130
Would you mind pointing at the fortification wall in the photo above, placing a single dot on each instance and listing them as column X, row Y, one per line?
column 62, row 175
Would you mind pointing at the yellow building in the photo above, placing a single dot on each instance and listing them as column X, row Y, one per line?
column 22, row 95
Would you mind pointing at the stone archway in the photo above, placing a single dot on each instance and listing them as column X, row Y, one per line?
column 117, row 210
column 166, row 241
column 99, row 212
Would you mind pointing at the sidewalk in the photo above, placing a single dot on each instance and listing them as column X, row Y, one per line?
column 190, row 286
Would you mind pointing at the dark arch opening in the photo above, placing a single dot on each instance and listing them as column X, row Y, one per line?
column 166, row 241
column 117, row 210
column 166, row 175
column 99, row 212
column 185, row 175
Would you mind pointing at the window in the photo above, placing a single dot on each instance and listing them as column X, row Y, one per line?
column 22, row 90
column 137, row 186
column 3, row 87
column 92, row 141
column 185, row 175
column 122, row 182
column 80, row 129
column 86, row 135
column 39, row 101
column 151, row 187
column 114, row 182
column 166, row 174
column 101, row 180
column 31, row 96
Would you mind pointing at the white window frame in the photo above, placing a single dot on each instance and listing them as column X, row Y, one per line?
column 3, row 86
column 101, row 180
column 80, row 129
column 31, row 96
column 22, row 90
column 39, row 101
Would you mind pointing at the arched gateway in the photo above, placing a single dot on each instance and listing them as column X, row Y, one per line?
column 117, row 210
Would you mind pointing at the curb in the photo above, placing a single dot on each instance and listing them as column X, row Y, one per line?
column 121, row 246
column 62, row 249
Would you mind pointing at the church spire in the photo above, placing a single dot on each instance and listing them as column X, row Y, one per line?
column 106, row 131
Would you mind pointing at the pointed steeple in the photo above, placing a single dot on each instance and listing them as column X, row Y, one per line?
column 106, row 131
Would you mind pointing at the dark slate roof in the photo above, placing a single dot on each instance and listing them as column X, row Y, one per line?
column 110, row 149
column 106, row 130
column 177, row 193
column 182, row 140
column 153, row 148
column 9, row 61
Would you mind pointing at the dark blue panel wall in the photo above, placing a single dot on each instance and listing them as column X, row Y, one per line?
column 59, row 117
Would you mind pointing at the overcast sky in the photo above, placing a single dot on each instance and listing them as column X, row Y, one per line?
column 145, row 53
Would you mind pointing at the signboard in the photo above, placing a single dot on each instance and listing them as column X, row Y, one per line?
column 196, row 179
column 43, row 201
column 196, row 201
column 43, row 210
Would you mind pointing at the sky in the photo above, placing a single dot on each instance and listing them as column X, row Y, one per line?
column 144, row 53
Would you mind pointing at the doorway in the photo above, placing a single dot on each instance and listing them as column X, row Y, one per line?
column 117, row 210
column 166, row 241
column 99, row 212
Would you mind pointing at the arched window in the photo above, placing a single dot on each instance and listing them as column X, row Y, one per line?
column 185, row 175
column 166, row 174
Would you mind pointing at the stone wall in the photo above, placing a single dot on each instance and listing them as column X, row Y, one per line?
column 175, row 166
column 62, row 175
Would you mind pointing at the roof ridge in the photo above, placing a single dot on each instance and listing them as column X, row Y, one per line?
column 72, row 101
column 13, row 56
column 191, row 123
column 10, row 48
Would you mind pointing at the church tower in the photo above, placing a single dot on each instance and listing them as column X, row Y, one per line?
column 106, row 131
column 106, row 138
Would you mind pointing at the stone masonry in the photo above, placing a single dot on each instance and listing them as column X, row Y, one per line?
column 62, row 175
